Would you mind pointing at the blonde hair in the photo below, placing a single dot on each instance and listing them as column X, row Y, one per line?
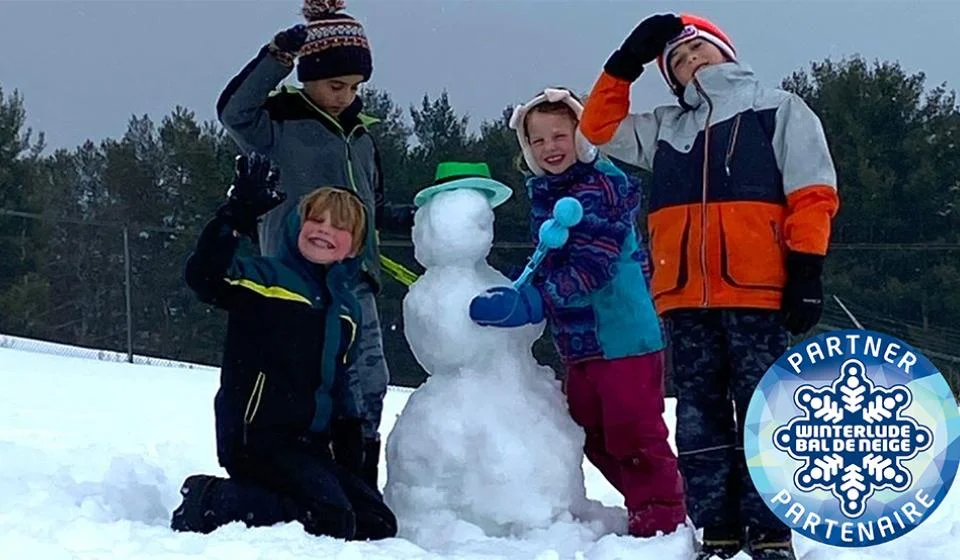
column 346, row 212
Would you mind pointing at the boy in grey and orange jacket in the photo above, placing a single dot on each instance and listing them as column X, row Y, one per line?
column 742, row 197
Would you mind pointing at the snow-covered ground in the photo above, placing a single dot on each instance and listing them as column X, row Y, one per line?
column 92, row 455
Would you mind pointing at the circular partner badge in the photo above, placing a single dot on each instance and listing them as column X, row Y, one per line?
column 852, row 438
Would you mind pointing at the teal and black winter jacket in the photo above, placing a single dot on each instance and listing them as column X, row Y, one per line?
column 289, row 344
column 311, row 148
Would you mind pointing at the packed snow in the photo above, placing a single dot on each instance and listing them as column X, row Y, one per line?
column 92, row 455
column 482, row 461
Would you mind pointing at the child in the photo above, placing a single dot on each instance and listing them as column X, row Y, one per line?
column 600, row 314
column 317, row 135
column 285, row 396
column 743, row 193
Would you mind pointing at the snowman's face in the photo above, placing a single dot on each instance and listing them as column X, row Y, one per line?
column 454, row 229
column 320, row 242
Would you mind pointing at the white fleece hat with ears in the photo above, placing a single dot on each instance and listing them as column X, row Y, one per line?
column 586, row 152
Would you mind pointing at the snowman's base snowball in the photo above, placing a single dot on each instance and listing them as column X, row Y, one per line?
column 495, row 449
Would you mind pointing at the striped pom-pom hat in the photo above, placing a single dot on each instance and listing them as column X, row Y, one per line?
column 336, row 44
column 694, row 27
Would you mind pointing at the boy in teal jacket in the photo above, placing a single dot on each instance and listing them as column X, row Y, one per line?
column 319, row 135
column 288, row 421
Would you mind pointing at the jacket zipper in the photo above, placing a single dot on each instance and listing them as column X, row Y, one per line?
column 343, row 134
column 321, row 112
column 346, row 140
column 253, row 403
column 353, row 336
column 703, row 205
column 733, row 143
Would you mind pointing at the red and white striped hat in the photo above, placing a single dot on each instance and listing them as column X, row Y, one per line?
column 694, row 27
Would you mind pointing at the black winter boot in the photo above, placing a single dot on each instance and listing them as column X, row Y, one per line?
column 238, row 500
column 370, row 471
column 328, row 520
column 719, row 543
column 376, row 525
column 210, row 502
column 194, row 515
column 772, row 547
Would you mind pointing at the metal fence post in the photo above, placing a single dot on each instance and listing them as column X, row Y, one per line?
column 847, row 311
column 126, row 282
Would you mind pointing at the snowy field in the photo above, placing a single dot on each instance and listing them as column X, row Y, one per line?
column 92, row 455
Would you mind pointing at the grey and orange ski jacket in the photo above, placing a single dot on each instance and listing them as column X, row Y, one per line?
column 742, row 175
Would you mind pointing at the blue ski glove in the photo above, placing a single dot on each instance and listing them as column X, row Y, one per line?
column 505, row 306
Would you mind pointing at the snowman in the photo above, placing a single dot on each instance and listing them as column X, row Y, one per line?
column 486, row 442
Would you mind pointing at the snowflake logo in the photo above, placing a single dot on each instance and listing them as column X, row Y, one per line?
column 853, row 438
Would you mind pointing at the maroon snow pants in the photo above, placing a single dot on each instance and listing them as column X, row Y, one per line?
column 620, row 404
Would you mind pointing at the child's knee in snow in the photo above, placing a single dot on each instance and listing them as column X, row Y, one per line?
column 328, row 520
column 376, row 525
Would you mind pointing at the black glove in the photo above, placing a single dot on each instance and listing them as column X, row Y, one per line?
column 346, row 435
column 287, row 43
column 802, row 302
column 253, row 193
column 644, row 44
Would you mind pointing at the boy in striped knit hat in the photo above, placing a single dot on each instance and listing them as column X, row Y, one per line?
column 318, row 135
column 742, row 197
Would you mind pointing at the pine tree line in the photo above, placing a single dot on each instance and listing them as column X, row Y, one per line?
column 894, row 141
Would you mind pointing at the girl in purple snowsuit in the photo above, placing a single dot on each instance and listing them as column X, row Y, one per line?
column 594, row 294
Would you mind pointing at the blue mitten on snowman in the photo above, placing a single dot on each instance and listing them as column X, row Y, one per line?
column 522, row 304
column 506, row 306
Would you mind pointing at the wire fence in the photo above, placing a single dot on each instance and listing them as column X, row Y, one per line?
column 66, row 350
column 117, row 289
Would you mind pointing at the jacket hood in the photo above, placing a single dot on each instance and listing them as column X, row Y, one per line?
column 586, row 152
column 289, row 253
column 716, row 82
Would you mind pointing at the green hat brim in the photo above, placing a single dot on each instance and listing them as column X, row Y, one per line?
column 497, row 193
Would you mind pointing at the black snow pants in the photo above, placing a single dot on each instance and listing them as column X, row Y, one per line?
column 301, row 483
column 719, row 357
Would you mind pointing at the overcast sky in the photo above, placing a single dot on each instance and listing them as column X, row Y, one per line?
column 85, row 67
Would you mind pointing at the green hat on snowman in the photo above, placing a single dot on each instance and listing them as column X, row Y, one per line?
column 453, row 175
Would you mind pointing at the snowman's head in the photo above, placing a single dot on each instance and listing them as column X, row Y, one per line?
column 455, row 228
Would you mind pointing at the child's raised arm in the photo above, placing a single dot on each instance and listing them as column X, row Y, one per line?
column 207, row 266
column 606, row 121
column 253, row 193
column 241, row 107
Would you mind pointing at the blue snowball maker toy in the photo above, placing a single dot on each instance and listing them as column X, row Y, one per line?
column 567, row 212
column 521, row 304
